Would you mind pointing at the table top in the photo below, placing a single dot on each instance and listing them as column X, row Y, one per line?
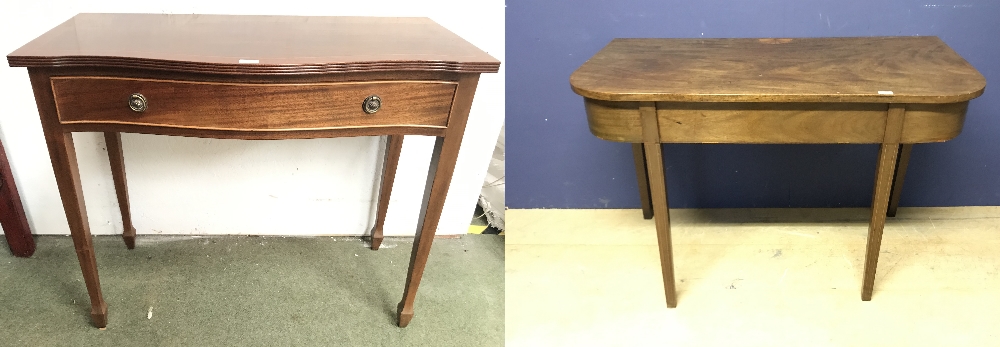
column 253, row 44
column 916, row 69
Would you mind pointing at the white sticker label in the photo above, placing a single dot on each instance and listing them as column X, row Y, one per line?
column 255, row 61
column 885, row 92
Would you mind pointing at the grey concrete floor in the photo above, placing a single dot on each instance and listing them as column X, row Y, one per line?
column 254, row 291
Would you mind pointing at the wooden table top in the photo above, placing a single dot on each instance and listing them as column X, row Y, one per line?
column 859, row 69
column 253, row 44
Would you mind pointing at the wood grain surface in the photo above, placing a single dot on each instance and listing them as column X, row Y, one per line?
column 658, row 197
column 857, row 69
column 886, row 90
column 933, row 122
column 273, row 107
column 393, row 147
column 438, row 181
column 116, row 157
column 642, row 176
column 251, row 77
column 62, row 153
column 902, row 161
column 253, row 44
column 884, row 172
column 773, row 122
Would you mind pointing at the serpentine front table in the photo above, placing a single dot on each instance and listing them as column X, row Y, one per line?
column 252, row 77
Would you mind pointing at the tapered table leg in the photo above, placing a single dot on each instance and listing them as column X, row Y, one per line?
column 887, row 154
column 658, row 196
column 639, row 156
column 661, row 216
column 897, row 182
column 63, row 157
column 12, row 218
column 394, row 145
column 114, row 143
column 880, row 202
column 427, row 226
column 438, row 180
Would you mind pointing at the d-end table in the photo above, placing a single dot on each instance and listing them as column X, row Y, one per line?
column 252, row 77
column 894, row 91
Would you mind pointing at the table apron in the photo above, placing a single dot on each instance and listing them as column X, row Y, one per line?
column 762, row 122
column 254, row 134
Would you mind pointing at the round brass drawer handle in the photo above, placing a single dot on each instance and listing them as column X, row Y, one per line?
column 371, row 104
column 137, row 102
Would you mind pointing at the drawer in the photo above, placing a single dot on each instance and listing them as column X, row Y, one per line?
column 249, row 107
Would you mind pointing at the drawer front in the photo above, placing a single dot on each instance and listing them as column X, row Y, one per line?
column 249, row 107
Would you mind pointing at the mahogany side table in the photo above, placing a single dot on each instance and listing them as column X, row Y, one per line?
column 894, row 91
column 255, row 78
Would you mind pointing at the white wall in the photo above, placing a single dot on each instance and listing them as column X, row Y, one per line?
column 209, row 186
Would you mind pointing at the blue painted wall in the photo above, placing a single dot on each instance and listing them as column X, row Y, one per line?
column 554, row 162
